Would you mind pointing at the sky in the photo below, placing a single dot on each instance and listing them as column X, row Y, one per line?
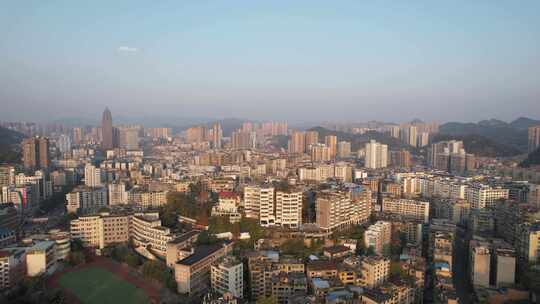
column 283, row 60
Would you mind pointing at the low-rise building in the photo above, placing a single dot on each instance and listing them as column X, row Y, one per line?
column 192, row 274
column 12, row 267
column 40, row 258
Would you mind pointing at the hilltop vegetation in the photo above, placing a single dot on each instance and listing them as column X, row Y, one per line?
column 512, row 135
column 480, row 145
column 9, row 146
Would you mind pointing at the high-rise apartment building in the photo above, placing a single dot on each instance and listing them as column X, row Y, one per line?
column 312, row 138
column 331, row 143
column 107, row 131
column 320, row 153
column 534, row 138
column 482, row 196
column 163, row 133
column 450, row 156
column 129, row 137
column 344, row 149
column 423, row 139
column 401, row 158
column 281, row 208
column 196, row 134
column 78, row 135
column 259, row 203
column 217, row 133
column 297, row 143
column 63, row 143
column 412, row 136
column 407, row 208
column 378, row 236
column 395, row 131
column 288, row 211
column 335, row 211
column 83, row 199
column 117, row 194
column 36, row 153
column 92, row 176
column 243, row 140
column 376, row 155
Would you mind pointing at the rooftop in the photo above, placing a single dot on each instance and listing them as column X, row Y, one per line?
column 200, row 253
column 185, row 236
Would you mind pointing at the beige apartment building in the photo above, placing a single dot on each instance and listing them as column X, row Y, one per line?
column 375, row 271
column 335, row 211
column 288, row 211
column 483, row 196
column 414, row 209
column 378, row 236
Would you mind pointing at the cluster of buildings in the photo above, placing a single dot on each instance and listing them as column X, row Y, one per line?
column 371, row 223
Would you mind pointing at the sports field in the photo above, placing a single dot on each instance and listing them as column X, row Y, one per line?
column 94, row 285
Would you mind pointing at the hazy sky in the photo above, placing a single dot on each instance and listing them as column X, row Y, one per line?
column 298, row 60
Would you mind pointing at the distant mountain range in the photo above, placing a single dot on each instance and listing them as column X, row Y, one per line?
column 504, row 136
column 9, row 146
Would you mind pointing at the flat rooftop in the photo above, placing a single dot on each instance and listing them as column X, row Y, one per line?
column 200, row 253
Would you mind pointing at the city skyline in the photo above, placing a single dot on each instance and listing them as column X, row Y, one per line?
column 459, row 62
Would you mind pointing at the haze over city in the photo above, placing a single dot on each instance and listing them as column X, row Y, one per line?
column 301, row 61
column 269, row 152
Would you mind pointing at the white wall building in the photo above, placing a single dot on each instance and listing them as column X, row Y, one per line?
column 227, row 275
column 376, row 155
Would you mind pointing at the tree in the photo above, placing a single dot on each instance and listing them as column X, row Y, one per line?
column 158, row 271
column 76, row 258
column 252, row 226
column 219, row 224
column 205, row 238
column 132, row 259
column 297, row 248
column 386, row 250
column 119, row 252
column 395, row 268
column 370, row 251
column 531, row 278
column 76, row 245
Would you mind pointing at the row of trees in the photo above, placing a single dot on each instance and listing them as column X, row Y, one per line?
column 32, row 290
column 158, row 271
column 124, row 254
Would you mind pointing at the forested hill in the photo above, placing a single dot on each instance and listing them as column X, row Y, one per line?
column 480, row 145
column 9, row 146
